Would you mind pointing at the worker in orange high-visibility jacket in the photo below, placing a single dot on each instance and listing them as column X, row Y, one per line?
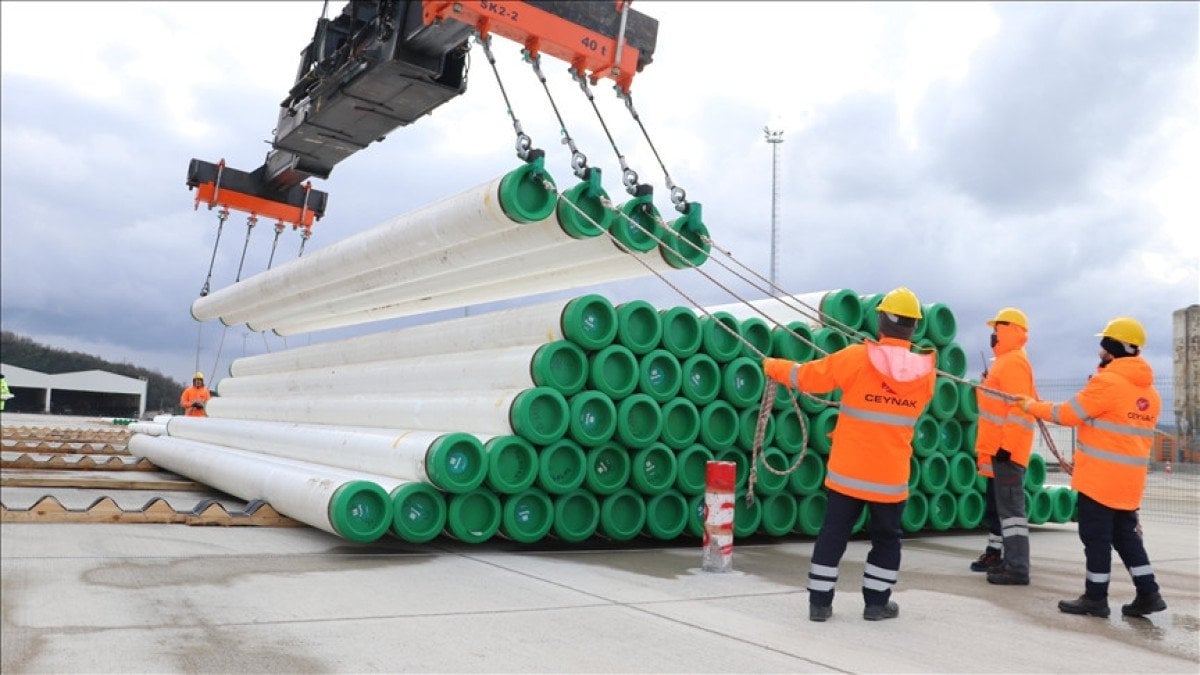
column 1003, row 444
column 195, row 398
column 1115, row 414
column 885, row 388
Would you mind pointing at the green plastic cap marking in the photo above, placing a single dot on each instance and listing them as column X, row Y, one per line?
column 691, row 465
column 418, row 512
column 608, row 467
column 527, row 516
column 811, row 514
column 719, row 336
column 784, row 345
column 808, row 479
column 701, row 379
column 622, row 515
column 844, row 307
column 512, row 464
column 653, row 469
column 593, row 418
column 748, row 425
column 576, row 516
column 454, row 462
column 940, row 324
column 614, row 371
column 639, row 421
column 643, row 233
column 360, row 511
column 561, row 365
column 685, row 242
column 474, row 517
column 639, row 326
column 718, row 425
column 523, row 195
column 587, row 196
column 659, row 375
column 589, row 321
column 757, row 333
column 561, row 467
column 742, row 382
column 539, row 415
column 681, row 423
column 681, row 331
column 779, row 514
column 666, row 515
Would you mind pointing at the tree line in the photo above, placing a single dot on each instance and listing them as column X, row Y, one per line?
column 162, row 393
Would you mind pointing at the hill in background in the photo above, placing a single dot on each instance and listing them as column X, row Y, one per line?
column 162, row 393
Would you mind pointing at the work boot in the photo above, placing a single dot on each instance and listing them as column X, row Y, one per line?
column 1004, row 576
column 819, row 612
column 1084, row 605
column 1143, row 604
column 881, row 612
column 990, row 558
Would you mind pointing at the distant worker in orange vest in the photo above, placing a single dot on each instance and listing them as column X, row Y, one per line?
column 1003, row 446
column 1115, row 412
column 885, row 387
column 195, row 398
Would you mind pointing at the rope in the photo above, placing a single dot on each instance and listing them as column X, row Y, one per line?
column 1068, row 467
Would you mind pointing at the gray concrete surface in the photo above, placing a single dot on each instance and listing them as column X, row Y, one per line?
column 173, row 598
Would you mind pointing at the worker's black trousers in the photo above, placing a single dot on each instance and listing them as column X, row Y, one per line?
column 990, row 516
column 1102, row 529
column 883, row 561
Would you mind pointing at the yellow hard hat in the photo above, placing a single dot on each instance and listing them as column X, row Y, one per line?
column 901, row 302
column 198, row 376
column 1125, row 329
column 1010, row 315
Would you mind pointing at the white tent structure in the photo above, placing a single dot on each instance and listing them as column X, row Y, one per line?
column 83, row 392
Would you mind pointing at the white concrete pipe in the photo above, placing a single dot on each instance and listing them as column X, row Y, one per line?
column 358, row 510
column 539, row 415
column 614, row 268
column 560, row 364
column 842, row 306
column 502, row 203
column 150, row 428
column 561, row 260
column 589, row 321
column 451, row 461
column 457, row 264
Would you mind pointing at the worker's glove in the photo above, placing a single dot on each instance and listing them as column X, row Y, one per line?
column 198, row 405
column 766, row 363
column 1023, row 403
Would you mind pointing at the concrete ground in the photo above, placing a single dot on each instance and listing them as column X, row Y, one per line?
column 173, row 598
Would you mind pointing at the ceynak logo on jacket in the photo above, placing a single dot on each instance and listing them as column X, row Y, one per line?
column 889, row 400
column 1142, row 404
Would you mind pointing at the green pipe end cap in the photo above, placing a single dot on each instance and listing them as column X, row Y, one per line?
column 701, row 379
column 524, row 195
column 757, row 336
column 808, row 479
column 539, row 415
column 691, row 467
column 419, row 512
column 360, row 511
column 681, row 331
column 659, row 375
column 639, row 327
column 654, row 469
column 681, row 423
column 970, row 510
column 576, row 516
column 608, row 467
column 589, row 321
column 639, row 421
column 742, row 382
column 593, row 418
column 527, row 516
column 916, row 512
column 779, row 512
column 512, row 464
column 561, row 365
column 666, row 515
column 637, row 225
column 614, row 371
column 943, row 510
column 940, row 324
column 685, row 243
column 474, row 517
column 622, row 515
column 811, row 514
column 561, row 467
column 720, row 337
column 793, row 342
column 844, row 307
column 455, row 462
column 718, row 425
column 581, row 210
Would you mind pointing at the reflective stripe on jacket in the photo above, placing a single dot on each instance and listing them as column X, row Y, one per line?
column 1001, row 424
column 885, row 387
column 1115, row 413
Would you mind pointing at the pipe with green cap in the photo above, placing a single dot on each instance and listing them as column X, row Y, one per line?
column 962, row 473
column 747, row 517
column 809, row 477
column 940, row 324
column 639, row 326
column 970, row 511
column 792, row 341
column 512, row 463
column 589, row 321
column 741, row 464
column 526, row 517
column 935, row 473
column 639, row 421
column 757, row 338
column 538, row 414
column 607, row 468
column 916, row 512
column 335, row 500
column 1035, row 472
column 659, row 375
column 576, row 516
column 944, row 403
column 636, row 225
column 685, row 242
column 943, row 510
column 951, row 435
column 452, row 461
column 841, row 307
column 681, row 423
column 666, row 515
column 927, row 434
column 690, row 467
column 790, row 432
column 1038, row 505
column 748, row 425
column 719, row 425
column 811, row 514
column 581, row 209
column 474, row 517
column 700, row 379
column 968, row 403
column 653, row 469
column 779, row 512
column 503, row 203
column 419, row 512
column 614, row 371
column 952, row 359
column 719, row 337
column 769, row 482
column 681, row 331
column 820, row 426
column 562, row 466
column 622, row 514
column 742, row 381
column 593, row 418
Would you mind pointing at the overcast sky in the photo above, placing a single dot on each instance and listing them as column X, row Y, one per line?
column 1029, row 154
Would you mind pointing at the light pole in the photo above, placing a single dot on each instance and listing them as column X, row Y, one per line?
column 774, row 138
